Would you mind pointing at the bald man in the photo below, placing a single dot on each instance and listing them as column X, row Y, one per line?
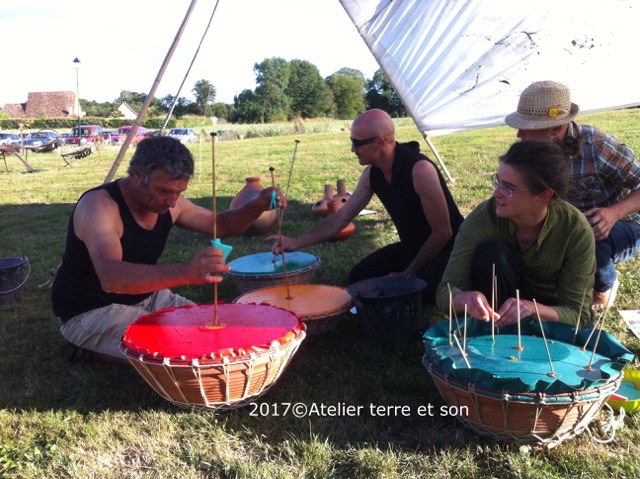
column 413, row 192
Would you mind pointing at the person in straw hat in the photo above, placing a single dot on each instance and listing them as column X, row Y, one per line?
column 606, row 177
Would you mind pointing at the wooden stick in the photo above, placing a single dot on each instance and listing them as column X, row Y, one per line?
column 544, row 338
column 464, row 354
column 495, row 282
column 595, row 326
column 519, row 346
column 493, row 293
column 151, row 95
column 464, row 337
column 456, row 316
column 450, row 312
column 575, row 333
column 215, row 221
column 279, row 234
column 595, row 346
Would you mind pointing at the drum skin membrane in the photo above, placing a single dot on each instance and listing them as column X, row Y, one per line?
column 188, row 332
column 268, row 263
column 498, row 365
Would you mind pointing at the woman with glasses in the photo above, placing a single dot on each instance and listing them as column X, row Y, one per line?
column 535, row 245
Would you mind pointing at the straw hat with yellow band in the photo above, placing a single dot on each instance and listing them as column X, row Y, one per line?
column 542, row 105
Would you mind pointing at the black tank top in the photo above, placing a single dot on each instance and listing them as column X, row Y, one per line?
column 403, row 203
column 76, row 288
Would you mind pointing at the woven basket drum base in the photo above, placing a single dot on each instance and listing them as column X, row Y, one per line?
column 229, row 385
column 539, row 420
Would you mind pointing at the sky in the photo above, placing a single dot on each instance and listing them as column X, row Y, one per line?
column 122, row 44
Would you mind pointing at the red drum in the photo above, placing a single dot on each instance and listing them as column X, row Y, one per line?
column 196, row 363
column 321, row 307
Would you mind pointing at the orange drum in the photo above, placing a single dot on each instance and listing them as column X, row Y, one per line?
column 194, row 364
column 262, row 270
column 321, row 307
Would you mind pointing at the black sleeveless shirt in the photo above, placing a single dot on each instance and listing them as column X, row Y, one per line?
column 76, row 288
column 403, row 203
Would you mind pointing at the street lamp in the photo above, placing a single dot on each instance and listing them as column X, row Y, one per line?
column 76, row 64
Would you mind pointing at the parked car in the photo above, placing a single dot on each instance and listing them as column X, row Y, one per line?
column 88, row 133
column 185, row 135
column 10, row 139
column 123, row 131
column 43, row 140
column 108, row 136
column 63, row 136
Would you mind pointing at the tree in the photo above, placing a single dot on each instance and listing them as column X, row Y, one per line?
column 92, row 108
column 205, row 94
column 308, row 92
column 347, row 86
column 220, row 110
column 247, row 108
column 182, row 105
column 272, row 78
column 381, row 94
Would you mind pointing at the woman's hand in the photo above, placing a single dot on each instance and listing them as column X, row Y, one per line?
column 476, row 303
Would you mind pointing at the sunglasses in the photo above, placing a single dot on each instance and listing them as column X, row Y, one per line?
column 358, row 143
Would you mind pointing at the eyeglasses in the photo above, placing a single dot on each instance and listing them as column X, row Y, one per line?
column 358, row 143
column 502, row 188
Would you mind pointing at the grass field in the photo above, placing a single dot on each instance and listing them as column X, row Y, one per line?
column 84, row 420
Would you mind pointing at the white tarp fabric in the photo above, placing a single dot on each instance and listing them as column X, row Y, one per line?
column 461, row 64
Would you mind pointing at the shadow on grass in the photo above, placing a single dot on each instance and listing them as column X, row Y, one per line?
column 375, row 393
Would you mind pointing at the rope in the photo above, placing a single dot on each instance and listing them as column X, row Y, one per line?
column 607, row 425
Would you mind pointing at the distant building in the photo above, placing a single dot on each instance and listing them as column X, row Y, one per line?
column 49, row 104
column 127, row 112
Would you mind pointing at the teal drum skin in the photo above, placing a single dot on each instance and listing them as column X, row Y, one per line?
column 262, row 270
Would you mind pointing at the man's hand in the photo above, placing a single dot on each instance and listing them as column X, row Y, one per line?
column 205, row 265
column 601, row 221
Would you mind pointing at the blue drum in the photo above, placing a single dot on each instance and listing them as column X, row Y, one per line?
column 262, row 270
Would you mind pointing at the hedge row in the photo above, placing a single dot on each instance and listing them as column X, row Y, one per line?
column 60, row 124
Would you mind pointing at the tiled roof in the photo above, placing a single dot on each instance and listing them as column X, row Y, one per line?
column 50, row 104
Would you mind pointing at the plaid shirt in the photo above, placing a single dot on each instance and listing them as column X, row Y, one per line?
column 605, row 173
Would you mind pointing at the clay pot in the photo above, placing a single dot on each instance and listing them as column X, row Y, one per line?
column 332, row 207
column 320, row 207
column 267, row 220
column 342, row 195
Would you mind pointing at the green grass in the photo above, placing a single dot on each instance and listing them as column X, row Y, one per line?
column 99, row 420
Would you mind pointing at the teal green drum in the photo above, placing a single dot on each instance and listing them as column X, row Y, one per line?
column 263, row 270
column 539, row 385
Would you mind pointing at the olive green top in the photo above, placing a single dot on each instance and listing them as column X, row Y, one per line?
column 559, row 266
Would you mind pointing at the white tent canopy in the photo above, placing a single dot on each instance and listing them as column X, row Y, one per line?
column 461, row 64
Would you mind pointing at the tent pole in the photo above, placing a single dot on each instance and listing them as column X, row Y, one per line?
column 150, row 95
column 193, row 60
column 435, row 152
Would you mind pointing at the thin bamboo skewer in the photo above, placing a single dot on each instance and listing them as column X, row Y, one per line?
column 464, row 337
column 596, row 325
column 575, row 333
column 493, row 295
column 495, row 290
column 595, row 346
column 450, row 313
column 457, row 324
column 216, row 323
column 464, row 354
column 544, row 338
column 279, row 233
column 519, row 346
